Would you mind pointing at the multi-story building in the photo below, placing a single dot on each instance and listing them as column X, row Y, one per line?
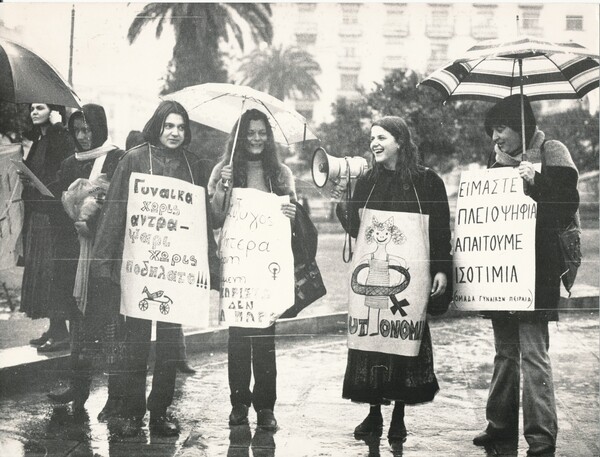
column 356, row 44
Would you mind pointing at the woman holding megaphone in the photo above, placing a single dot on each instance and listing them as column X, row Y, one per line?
column 399, row 215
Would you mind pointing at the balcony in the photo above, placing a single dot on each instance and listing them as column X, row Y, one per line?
column 440, row 30
column 484, row 32
column 533, row 31
column 349, row 63
column 394, row 62
column 350, row 30
column 398, row 29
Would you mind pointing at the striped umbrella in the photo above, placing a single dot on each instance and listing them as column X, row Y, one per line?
column 494, row 69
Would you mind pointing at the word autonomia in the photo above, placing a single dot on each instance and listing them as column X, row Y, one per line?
column 389, row 329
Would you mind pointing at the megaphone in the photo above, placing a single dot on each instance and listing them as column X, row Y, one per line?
column 328, row 168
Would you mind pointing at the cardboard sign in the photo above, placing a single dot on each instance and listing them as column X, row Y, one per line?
column 11, row 208
column 494, row 242
column 165, row 273
column 390, row 283
column 257, row 264
column 39, row 185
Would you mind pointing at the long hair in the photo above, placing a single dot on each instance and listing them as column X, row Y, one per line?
column 407, row 164
column 155, row 126
column 270, row 159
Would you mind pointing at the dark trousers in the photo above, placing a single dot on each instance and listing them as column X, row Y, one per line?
column 252, row 350
column 137, row 341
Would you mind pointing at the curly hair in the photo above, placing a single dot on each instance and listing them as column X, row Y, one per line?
column 396, row 235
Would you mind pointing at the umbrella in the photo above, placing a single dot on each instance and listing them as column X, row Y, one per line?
column 220, row 105
column 27, row 78
column 495, row 69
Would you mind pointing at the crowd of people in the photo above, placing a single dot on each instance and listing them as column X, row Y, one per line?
column 72, row 265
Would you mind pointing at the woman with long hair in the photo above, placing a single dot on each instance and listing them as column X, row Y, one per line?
column 43, row 284
column 255, row 165
column 400, row 187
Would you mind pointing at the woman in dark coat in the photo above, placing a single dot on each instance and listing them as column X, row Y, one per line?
column 397, row 183
column 521, row 338
column 89, row 131
column 168, row 133
column 41, row 294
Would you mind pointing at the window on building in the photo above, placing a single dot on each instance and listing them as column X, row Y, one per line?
column 484, row 17
column 531, row 20
column 350, row 13
column 575, row 23
column 440, row 16
column 349, row 51
column 395, row 11
column 348, row 81
column 307, row 8
column 439, row 54
column 305, row 40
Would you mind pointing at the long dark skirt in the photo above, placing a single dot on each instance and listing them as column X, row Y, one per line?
column 376, row 378
column 37, row 287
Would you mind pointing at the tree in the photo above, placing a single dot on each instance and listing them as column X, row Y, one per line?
column 346, row 135
column 199, row 29
column 282, row 72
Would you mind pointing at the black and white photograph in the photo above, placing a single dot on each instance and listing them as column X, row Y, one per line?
column 299, row 229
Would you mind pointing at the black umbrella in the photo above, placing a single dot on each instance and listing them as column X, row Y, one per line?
column 27, row 78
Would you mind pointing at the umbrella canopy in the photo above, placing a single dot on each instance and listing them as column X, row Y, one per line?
column 27, row 78
column 495, row 69
column 220, row 105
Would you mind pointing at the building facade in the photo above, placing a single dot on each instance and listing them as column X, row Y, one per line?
column 356, row 44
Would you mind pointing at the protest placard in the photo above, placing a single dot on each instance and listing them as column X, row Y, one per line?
column 39, row 185
column 257, row 264
column 494, row 242
column 165, row 273
column 11, row 210
column 390, row 283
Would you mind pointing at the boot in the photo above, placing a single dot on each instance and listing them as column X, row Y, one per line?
column 114, row 403
column 372, row 424
column 397, row 430
column 134, row 395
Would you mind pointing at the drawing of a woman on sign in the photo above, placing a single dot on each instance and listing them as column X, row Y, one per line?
column 377, row 288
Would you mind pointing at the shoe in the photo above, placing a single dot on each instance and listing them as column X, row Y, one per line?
column 397, row 432
column 39, row 341
column 541, row 449
column 53, row 345
column 265, row 419
column 112, row 408
column 66, row 396
column 184, row 367
column 162, row 425
column 239, row 414
column 485, row 438
column 372, row 425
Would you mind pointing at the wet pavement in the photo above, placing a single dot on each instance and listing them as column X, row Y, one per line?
column 314, row 420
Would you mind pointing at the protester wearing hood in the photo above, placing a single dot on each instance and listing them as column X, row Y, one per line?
column 82, row 180
column 521, row 338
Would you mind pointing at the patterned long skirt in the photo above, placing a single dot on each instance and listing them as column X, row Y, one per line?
column 377, row 378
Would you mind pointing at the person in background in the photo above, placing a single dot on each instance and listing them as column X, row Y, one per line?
column 42, row 290
column 168, row 133
column 251, row 350
column 94, row 160
column 398, row 183
column 521, row 338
